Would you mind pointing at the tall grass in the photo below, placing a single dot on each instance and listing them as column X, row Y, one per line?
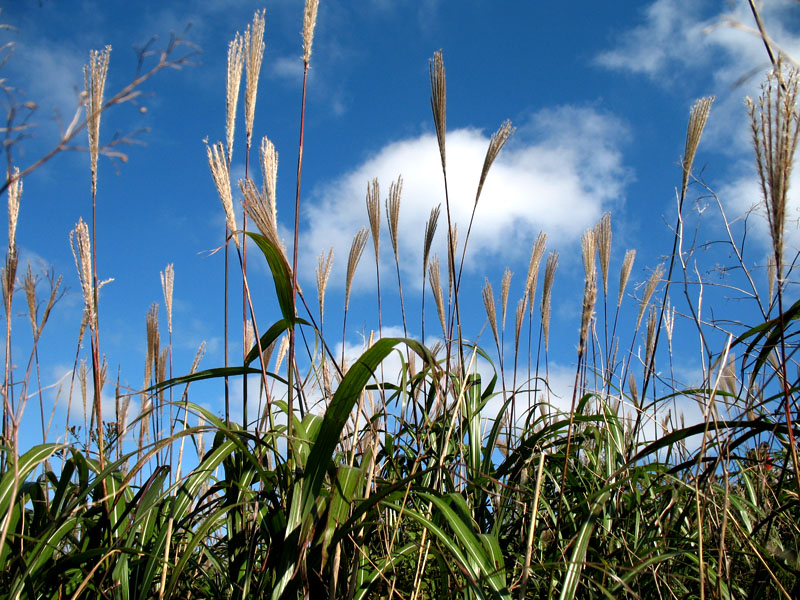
column 441, row 478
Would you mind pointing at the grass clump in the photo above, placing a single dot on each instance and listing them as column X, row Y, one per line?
column 442, row 477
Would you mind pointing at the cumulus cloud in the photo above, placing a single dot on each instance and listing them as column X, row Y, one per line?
column 561, row 170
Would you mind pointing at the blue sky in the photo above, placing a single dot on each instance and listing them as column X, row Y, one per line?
column 599, row 92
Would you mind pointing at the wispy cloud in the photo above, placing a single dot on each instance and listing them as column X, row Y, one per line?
column 717, row 53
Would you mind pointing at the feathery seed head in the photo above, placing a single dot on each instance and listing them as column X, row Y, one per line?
column 436, row 285
column 29, row 285
column 439, row 102
column 309, row 24
column 775, row 126
column 324, row 266
column 537, row 252
column 374, row 214
column 488, row 303
column 260, row 212
column 167, row 280
column 8, row 277
column 669, row 324
column 587, row 311
column 451, row 256
column 430, row 231
column 283, row 349
column 14, row 196
column 520, row 317
column 356, row 250
column 547, row 292
column 222, row 180
column 697, row 121
column 650, row 343
column 603, row 237
column 728, row 380
column 153, row 343
column 652, row 283
column 234, row 79
column 249, row 334
column 393, row 212
column 588, row 245
column 625, row 273
column 504, row 289
column 269, row 175
column 496, row 143
column 254, row 52
column 94, row 79
column 632, row 387
column 80, row 242
column 771, row 276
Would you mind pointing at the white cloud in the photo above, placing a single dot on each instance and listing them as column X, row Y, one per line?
column 289, row 68
column 670, row 33
column 559, row 173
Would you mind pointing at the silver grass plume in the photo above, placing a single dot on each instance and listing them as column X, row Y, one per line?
column 491, row 313
column 650, row 339
column 587, row 311
column 588, row 245
column 669, row 324
column 80, row 242
column 632, row 388
column 547, row 292
column 430, row 232
column 697, row 122
column 439, row 102
column 728, row 380
column 520, row 317
column 393, row 212
column 625, row 273
column 603, row 238
column 652, row 283
column 259, row 210
column 775, row 126
column 222, row 180
column 504, row 289
column 374, row 214
column 451, row 258
column 269, row 175
column 309, row 24
column 9, row 271
column 496, row 143
column 253, row 53
column 771, row 274
column 94, row 79
column 356, row 250
column 153, row 343
column 234, row 79
column 537, row 252
column 29, row 286
column 283, row 349
column 167, row 281
column 14, row 196
column 249, row 334
column 436, row 285
column 324, row 266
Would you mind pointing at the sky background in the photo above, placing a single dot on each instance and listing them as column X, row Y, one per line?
column 599, row 93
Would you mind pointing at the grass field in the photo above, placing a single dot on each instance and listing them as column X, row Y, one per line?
column 423, row 476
